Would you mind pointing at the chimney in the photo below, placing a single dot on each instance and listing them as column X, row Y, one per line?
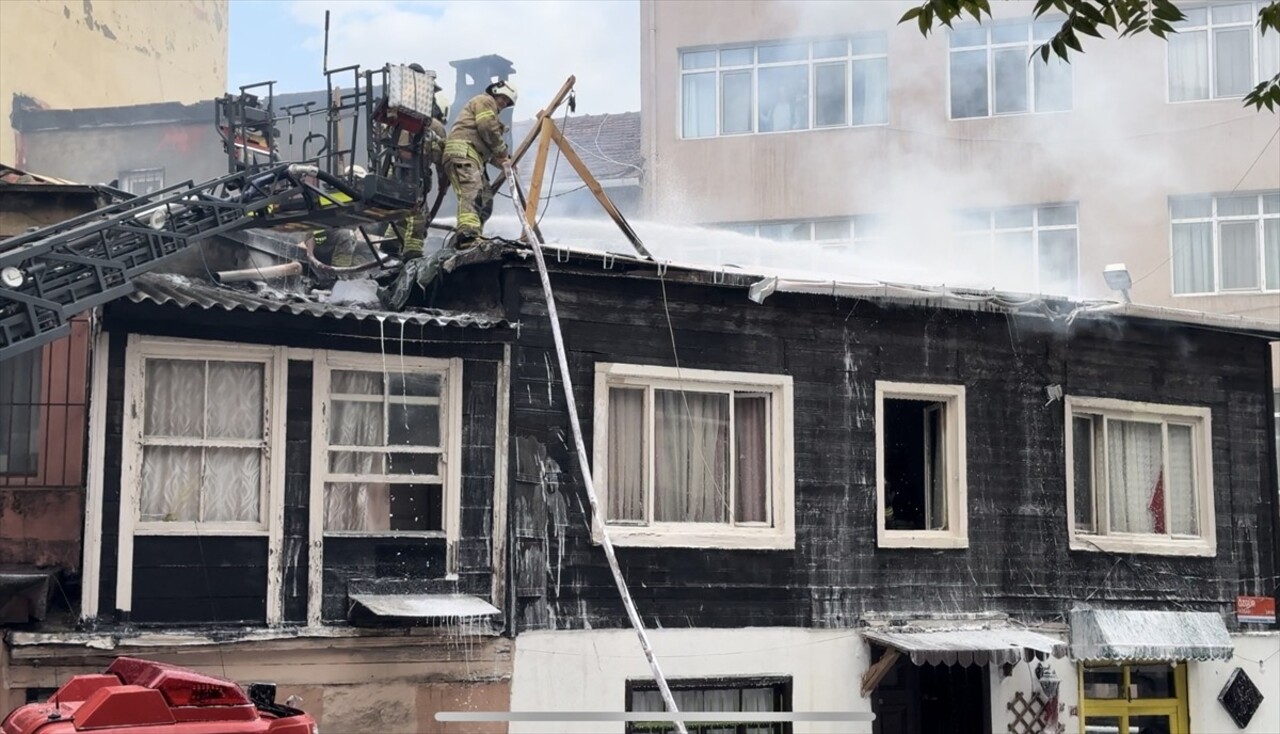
column 473, row 75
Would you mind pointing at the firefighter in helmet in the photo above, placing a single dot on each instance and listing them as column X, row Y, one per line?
column 475, row 141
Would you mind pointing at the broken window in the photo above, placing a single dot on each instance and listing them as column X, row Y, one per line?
column 779, row 87
column 1218, row 52
column 20, row 382
column 920, row 464
column 720, row 695
column 203, row 440
column 1226, row 243
column 995, row 71
column 1138, row 473
column 386, row 439
column 693, row 454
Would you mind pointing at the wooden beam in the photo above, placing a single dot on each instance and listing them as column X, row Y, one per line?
column 528, row 138
column 879, row 670
column 539, row 170
column 594, row 185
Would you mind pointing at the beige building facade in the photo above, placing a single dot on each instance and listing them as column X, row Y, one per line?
column 955, row 160
column 66, row 54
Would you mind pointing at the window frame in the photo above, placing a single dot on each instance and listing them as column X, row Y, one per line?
column 1176, row 708
column 783, row 691
column 1215, row 220
column 449, row 468
column 1035, row 228
column 810, row 62
column 957, row 491
column 779, row 534
column 142, row 348
column 1255, row 49
column 135, row 175
column 1201, row 421
column 990, row 47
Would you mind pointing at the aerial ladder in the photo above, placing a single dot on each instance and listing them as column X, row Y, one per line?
column 49, row 275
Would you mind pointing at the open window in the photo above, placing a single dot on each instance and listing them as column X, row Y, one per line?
column 694, row 458
column 920, row 466
column 1140, row 477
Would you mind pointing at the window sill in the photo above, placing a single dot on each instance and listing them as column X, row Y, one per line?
column 199, row 529
column 1220, row 294
column 1143, row 546
column 701, row 537
column 920, row 539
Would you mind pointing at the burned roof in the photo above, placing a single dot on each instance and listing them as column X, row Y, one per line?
column 609, row 144
column 163, row 288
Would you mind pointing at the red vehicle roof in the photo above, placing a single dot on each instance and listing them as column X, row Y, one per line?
column 137, row 696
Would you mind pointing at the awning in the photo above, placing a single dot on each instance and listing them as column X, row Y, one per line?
column 425, row 606
column 1108, row 634
column 973, row 646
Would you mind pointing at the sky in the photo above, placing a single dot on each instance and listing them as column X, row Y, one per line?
column 598, row 41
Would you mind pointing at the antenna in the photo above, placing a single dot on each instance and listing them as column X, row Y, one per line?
column 326, row 40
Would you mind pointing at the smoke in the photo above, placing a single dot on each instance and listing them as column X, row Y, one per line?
column 1114, row 154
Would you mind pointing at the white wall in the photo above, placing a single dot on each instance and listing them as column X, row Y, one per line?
column 1258, row 653
column 588, row 670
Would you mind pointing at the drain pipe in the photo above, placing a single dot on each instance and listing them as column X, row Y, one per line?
column 583, row 466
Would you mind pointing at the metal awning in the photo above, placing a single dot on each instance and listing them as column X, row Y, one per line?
column 425, row 606
column 1109, row 634
column 980, row 646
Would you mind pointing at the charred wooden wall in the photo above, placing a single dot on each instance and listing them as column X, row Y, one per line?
column 223, row 580
column 1018, row 560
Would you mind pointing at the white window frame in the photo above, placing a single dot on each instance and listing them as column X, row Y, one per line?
column 810, row 61
column 957, row 533
column 1215, row 221
column 778, row 535
column 1209, row 26
column 1036, row 228
column 449, row 472
column 1031, row 44
column 1201, row 422
column 271, row 515
column 138, row 175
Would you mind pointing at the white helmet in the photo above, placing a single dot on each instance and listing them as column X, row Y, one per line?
column 505, row 89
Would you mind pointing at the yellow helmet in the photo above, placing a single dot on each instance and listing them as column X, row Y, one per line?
column 504, row 88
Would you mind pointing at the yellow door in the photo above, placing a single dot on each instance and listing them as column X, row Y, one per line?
column 1139, row 698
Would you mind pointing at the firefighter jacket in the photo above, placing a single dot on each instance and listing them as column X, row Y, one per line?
column 479, row 129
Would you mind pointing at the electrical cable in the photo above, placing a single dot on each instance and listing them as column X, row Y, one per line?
column 551, row 185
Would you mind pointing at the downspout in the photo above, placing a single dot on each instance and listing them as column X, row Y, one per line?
column 650, row 109
column 583, row 465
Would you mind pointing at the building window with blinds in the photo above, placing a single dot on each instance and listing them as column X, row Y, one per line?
column 1139, row 477
column 784, row 87
column 200, row 437
column 1225, row 244
column 722, row 695
column 1220, row 51
column 694, row 458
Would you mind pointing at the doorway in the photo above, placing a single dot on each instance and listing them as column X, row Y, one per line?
column 932, row 699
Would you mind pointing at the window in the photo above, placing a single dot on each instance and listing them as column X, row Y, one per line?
column 1228, row 243
column 387, row 435
column 920, row 466
column 142, row 181
column 993, row 72
column 781, row 87
column 694, row 458
column 1030, row 248
column 1219, row 51
column 200, row 434
column 1144, row 697
column 725, row 694
column 20, row 379
column 1139, row 477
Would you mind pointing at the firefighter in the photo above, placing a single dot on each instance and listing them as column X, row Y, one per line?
column 415, row 225
column 475, row 141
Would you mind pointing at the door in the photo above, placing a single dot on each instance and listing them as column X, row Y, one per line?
column 1143, row 698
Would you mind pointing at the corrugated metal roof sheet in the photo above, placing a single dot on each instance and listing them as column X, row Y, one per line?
column 1109, row 634
column 189, row 293
column 425, row 606
column 970, row 646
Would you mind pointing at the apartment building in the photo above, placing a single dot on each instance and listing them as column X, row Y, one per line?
column 957, row 159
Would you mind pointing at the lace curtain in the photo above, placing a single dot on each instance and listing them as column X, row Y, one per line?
column 691, row 477
column 202, row 441
column 712, row 699
column 362, row 506
column 1142, row 498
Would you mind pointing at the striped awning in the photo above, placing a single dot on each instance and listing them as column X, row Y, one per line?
column 1110, row 634
column 969, row 646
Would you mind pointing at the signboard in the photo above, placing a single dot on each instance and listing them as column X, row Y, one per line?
column 1255, row 610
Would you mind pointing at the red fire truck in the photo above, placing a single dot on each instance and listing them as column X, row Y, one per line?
column 143, row 697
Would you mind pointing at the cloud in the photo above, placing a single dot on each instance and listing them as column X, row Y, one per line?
column 597, row 41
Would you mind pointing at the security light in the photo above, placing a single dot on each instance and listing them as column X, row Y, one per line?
column 1118, row 278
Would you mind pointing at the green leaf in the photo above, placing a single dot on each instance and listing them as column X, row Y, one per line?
column 1085, row 27
column 909, row 15
column 1069, row 38
column 1165, row 10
